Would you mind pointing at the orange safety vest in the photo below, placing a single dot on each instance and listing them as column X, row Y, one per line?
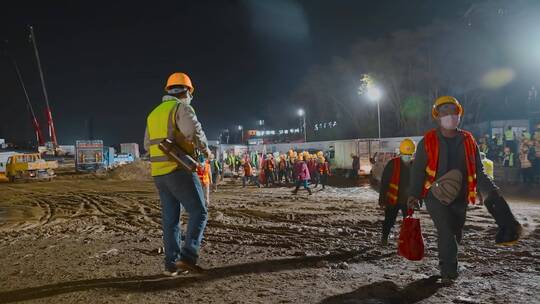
column 204, row 173
column 431, row 145
column 393, row 188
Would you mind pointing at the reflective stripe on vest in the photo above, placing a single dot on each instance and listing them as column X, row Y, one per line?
column 160, row 124
column 431, row 145
column 393, row 188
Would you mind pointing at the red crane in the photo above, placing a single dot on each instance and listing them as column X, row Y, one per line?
column 48, row 112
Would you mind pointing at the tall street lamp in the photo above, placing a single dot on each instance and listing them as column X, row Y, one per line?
column 241, row 130
column 375, row 94
column 302, row 114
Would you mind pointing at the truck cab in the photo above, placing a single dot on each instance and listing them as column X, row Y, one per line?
column 28, row 166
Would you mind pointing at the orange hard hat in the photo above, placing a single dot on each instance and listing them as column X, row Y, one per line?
column 179, row 79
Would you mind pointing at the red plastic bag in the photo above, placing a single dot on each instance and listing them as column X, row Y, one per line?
column 411, row 242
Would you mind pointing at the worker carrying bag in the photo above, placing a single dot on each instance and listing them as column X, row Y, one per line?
column 411, row 242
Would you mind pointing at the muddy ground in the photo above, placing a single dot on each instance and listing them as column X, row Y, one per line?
column 88, row 239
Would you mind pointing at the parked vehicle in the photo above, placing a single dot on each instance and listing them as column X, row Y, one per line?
column 28, row 166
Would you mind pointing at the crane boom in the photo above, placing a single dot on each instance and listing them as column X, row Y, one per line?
column 48, row 112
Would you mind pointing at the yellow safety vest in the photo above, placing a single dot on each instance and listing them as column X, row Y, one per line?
column 160, row 124
column 488, row 168
column 509, row 134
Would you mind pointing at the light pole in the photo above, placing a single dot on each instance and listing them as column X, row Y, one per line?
column 241, row 129
column 261, row 124
column 375, row 94
column 302, row 114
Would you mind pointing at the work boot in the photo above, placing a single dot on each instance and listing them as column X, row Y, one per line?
column 309, row 191
column 508, row 236
column 187, row 266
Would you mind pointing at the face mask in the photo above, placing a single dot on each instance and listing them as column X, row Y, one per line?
column 406, row 158
column 450, row 122
column 186, row 100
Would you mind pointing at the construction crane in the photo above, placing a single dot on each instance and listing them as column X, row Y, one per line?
column 48, row 112
column 35, row 123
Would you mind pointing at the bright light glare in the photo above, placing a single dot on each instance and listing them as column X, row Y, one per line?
column 239, row 128
column 374, row 94
column 301, row 112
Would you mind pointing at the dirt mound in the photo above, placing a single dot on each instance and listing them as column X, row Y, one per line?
column 136, row 171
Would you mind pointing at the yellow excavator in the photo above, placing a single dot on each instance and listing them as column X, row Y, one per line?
column 29, row 166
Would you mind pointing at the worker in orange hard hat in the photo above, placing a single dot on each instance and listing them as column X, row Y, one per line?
column 174, row 119
column 445, row 174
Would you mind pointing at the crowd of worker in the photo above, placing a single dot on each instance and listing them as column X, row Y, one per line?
column 515, row 150
column 300, row 169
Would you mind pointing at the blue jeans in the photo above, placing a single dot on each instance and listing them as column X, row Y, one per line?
column 176, row 190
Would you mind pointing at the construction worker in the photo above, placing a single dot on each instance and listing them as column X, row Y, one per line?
column 290, row 165
column 249, row 174
column 178, row 188
column 394, row 186
column 313, row 170
column 355, row 166
column 282, row 169
column 301, row 174
column 445, row 174
column 216, row 171
column 324, row 170
column 508, row 163
column 205, row 176
column 510, row 139
column 269, row 167
column 525, row 158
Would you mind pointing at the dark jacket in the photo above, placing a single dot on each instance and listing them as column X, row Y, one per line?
column 404, row 178
column 418, row 171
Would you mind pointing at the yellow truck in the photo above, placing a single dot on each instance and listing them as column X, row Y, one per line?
column 29, row 166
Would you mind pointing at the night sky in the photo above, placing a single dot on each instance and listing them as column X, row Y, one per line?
column 108, row 62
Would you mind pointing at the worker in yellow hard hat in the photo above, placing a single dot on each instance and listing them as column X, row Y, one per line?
column 174, row 119
column 394, row 186
column 445, row 174
column 323, row 167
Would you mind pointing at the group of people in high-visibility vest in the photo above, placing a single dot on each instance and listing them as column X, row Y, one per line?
column 446, row 175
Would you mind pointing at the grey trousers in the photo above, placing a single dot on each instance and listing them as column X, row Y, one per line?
column 449, row 222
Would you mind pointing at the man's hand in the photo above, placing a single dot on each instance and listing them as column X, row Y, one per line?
column 413, row 203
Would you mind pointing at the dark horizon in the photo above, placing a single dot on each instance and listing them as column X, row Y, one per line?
column 106, row 65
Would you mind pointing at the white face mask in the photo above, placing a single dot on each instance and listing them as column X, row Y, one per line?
column 406, row 158
column 186, row 100
column 450, row 122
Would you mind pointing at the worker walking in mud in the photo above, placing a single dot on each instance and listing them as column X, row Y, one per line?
column 174, row 119
column 215, row 168
column 301, row 173
column 323, row 167
column 445, row 173
column 394, row 186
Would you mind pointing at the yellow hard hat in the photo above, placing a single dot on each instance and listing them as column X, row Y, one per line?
column 320, row 153
column 407, row 147
column 179, row 79
column 445, row 100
